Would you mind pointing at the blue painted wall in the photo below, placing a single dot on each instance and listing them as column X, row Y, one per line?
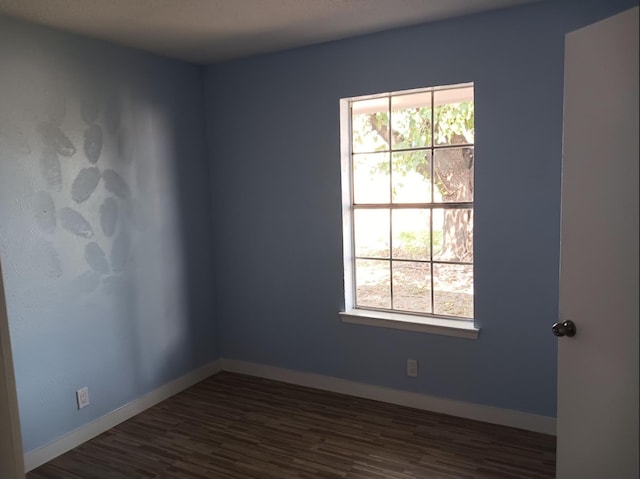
column 111, row 258
column 273, row 127
column 105, row 224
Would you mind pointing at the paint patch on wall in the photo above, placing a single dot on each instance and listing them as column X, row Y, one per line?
column 53, row 137
column 50, row 168
column 101, row 255
column 114, row 183
column 74, row 222
column 96, row 259
column 93, row 143
column 109, row 216
column 85, row 184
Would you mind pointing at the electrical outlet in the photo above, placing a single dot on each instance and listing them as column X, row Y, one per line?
column 82, row 395
column 412, row 367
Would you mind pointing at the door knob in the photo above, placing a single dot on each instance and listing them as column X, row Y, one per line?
column 565, row 328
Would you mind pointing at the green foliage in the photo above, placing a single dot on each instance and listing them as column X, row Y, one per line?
column 413, row 243
column 454, row 119
column 418, row 161
column 368, row 132
column 412, row 128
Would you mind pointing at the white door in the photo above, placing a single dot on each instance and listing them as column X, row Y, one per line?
column 598, row 367
column 11, row 459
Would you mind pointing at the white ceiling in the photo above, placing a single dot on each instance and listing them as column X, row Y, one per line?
column 205, row 31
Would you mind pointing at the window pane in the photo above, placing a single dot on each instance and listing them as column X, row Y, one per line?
column 412, row 191
column 370, row 125
column 453, row 290
column 371, row 230
column 453, row 116
column 411, row 120
column 371, row 178
column 411, row 177
column 412, row 286
column 411, row 234
column 453, row 234
column 373, row 285
column 453, row 174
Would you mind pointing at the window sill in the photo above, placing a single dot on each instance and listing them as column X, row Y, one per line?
column 406, row 322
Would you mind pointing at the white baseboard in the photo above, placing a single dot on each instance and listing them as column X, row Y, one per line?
column 494, row 415
column 73, row 439
column 505, row 417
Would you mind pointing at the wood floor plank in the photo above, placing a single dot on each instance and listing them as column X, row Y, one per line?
column 233, row 426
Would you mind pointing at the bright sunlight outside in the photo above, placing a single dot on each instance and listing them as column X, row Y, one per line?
column 412, row 209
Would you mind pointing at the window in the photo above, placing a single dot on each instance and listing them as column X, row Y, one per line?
column 407, row 181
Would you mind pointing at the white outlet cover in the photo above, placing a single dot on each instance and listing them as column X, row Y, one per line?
column 412, row 367
column 82, row 395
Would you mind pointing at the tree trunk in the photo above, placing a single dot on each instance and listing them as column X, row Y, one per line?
column 454, row 180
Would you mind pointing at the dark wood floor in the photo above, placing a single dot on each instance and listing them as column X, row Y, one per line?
column 232, row 426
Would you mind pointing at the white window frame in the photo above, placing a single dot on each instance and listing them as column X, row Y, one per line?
column 386, row 319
